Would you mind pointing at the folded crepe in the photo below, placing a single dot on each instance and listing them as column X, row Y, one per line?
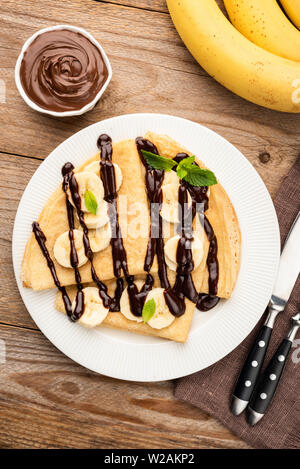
column 177, row 331
column 221, row 215
column 222, row 218
column 53, row 222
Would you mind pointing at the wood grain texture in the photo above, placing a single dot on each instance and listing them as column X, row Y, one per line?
column 15, row 174
column 163, row 73
column 45, row 399
column 155, row 5
column 48, row 401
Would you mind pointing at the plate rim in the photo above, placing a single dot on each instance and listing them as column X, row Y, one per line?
column 276, row 234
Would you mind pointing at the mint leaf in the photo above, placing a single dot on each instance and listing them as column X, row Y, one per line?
column 90, row 202
column 181, row 172
column 148, row 310
column 186, row 162
column 200, row 177
column 185, row 169
column 194, row 175
column 158, row 161
column 183, row 166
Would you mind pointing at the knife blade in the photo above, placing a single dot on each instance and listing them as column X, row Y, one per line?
column 288, row 272
column 289, row 265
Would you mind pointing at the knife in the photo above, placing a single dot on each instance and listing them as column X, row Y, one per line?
column 288, row 272
column 267, row 385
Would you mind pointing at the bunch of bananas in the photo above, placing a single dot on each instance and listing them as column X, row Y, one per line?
column 256, row 55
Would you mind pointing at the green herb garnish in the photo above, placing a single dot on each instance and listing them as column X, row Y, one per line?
column 90, row 202
column 157, row 161
column 185, row 169
column 194, row 175
column 148, row 310
column 183, row 166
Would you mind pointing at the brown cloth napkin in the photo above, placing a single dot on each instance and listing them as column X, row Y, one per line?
column 211, row 389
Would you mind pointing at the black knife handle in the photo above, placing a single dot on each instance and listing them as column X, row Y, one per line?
column 267, row 385
column 250, row 371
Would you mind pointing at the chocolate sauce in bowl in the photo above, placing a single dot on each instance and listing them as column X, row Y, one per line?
column 62, row 70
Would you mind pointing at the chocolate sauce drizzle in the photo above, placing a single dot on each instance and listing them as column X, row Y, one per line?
column 184, row 285
column 154, row 179
column 136, row 297
column 200, row 203
column 69, row 180
column 41, row 239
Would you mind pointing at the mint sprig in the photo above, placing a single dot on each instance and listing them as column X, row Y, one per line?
column 200, row 177
column 158, row 161
column 183, row 166
column 194, row 175
column 90, row 202
column 185, row 169
column 148, row 310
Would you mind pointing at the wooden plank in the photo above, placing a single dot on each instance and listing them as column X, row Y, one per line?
column 48, row 401
column 15, row 174
column 155, row 5
column 162, row 70
column 62, row 404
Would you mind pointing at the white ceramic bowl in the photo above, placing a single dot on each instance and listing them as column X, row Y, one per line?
column 76, row 112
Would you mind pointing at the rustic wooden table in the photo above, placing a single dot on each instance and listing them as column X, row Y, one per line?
column 46, row 400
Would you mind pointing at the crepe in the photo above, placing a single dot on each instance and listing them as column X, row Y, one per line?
column 221, row 215
column 54, row 221
column 223, row 219
column 177, row 331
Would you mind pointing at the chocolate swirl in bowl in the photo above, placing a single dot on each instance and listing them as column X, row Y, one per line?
column 62, row 70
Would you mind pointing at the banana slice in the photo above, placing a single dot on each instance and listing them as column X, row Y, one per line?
column 100, row 238
column 87, row 181
column 162, row 316
column 94, row 310
column 170, row 177
column 169, row 209
column 97, row 221
column 94, row 167
column 62, row 249
column 125, row 304
column 171, row 250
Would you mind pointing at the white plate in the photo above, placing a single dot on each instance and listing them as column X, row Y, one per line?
column 214, row 334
